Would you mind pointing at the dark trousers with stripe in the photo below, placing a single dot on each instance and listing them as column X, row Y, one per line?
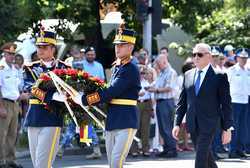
column 165, row 109
column 248, row 128
column 238, row 141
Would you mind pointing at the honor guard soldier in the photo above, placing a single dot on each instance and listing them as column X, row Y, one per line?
column 121, row 95
column 10, row 84
column 44, row 125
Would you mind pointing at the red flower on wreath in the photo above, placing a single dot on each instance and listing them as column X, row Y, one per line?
column 45, row 77
column 59, row 72
column 72, row 72
column 83, row 74
column 97, row 80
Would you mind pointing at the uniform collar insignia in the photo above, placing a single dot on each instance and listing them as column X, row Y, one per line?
column 122, row 61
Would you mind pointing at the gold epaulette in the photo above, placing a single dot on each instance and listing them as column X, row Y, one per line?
column 93, row 98
column 66, row 64
column 38, row 93
column 113, row 64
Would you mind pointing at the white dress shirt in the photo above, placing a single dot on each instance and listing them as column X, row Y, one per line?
column 248, row 79
column 10, row 81
column 237, row 78
column 203, row 73
column 147, row 95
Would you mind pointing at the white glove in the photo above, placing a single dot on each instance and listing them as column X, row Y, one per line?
column 78, row 98
column 59, row 97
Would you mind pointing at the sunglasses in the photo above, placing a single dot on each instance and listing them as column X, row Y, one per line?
column 200, row 55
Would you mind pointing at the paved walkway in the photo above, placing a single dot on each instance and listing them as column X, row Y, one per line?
column 184, row 160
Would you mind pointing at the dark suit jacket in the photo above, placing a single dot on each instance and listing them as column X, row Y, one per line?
column 213, row 102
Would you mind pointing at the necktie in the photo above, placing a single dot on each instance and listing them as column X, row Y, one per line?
column 197, row 82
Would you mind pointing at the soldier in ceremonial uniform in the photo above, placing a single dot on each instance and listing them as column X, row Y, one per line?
column 122, row 95
column 10, row 84
column 44, row 122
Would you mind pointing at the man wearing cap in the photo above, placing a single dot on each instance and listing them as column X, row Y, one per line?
column 10, row 84
column 217, row 144
column 91, row 66
column 205, row 99
column 43, row 118
column 215, row 54
column 229, row 52
column 78, row 58
column 237, row 77
column 121, row 95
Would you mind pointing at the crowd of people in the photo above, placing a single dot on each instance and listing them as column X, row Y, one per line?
column 161, row 88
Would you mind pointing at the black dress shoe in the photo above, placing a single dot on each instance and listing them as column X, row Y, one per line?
column 14, row 165
column 3, row 166
column 161, row 154
column 217, row 157
column 168, row 154
column 146, row 154
column 134, row 154
column 222, row 150
column 242, row 154
column 234, row 155
column 171, row 154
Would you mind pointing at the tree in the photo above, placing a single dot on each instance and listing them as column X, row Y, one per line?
column 12, row 20
column 229, row 25
column 185, row 13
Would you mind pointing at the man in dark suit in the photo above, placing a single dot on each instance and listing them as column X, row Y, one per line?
column 205, row 99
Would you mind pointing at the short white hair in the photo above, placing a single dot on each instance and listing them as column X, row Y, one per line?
column 203, row 46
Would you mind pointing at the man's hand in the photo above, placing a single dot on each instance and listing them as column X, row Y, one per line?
column 226, row 137
column 78, row 98
column 152, row 89
column 3, row 113
column 175, row 132
column 59, row 97
column 141, row 93
column 24, row 96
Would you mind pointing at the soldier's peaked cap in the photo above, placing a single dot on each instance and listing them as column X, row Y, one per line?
column 124, row 36
column 46, row 38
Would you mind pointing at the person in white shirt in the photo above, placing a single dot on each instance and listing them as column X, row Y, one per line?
column 247, row 150
column 237, row 76
column 10, row 81
column 146, row 111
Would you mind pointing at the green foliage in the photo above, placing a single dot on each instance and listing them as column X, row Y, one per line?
column 185, row 12
column 12, row 20
column 128, row 9
column 229, row 25
column 213, row 21
column 216, row 23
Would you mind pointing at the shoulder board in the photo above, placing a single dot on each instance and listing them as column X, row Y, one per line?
column 32, row 63
column 232, row 68
column 62, row 62
column 1, row 67
column 113, row 64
